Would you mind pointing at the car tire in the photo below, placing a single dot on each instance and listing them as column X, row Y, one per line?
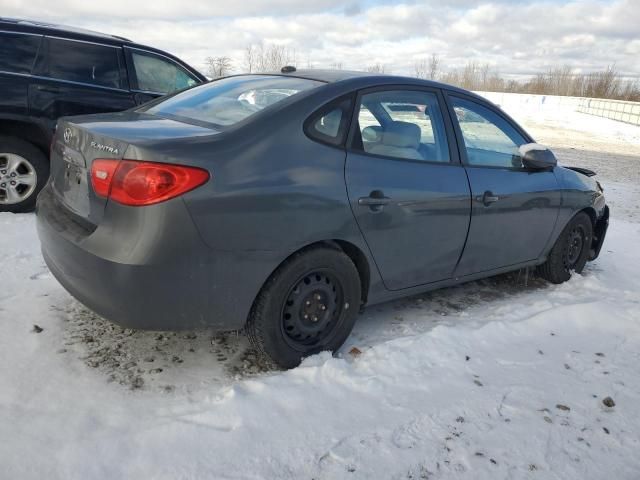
column 308, row 305
column 15, row 151
column 570, row 252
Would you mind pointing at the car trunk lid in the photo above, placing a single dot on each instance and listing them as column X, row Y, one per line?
column 79, row 141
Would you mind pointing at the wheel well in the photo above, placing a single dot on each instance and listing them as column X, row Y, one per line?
column 353, row 252
column 26, row 131
column 592, row 215
column 362, row 264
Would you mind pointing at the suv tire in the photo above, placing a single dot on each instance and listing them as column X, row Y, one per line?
column 18, row 157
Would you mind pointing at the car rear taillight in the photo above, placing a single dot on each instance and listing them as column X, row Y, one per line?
column 138, row 183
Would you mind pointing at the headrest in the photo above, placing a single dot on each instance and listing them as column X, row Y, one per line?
column 401, row 134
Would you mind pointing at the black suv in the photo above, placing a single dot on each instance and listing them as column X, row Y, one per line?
column 49, row 71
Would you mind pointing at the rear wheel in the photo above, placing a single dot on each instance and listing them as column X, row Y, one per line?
column 24, row 170
column 570, row 252
column 308, row 305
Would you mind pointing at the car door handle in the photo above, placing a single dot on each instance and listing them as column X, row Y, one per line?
column 487, row 198
column 372, row 201
column 376, row 200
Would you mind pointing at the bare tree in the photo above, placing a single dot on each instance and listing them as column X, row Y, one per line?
column 249, row 58
column 434, row 64
column 268, row 58
column 428, row 68
column 218, row 66
column 421, row 68
column 559, row 80
column 377, row 68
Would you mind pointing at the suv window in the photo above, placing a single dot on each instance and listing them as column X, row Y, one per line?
column 489, row 139
column 18, row 51
column 80, row 62
column 155, row 74
column 404, row 124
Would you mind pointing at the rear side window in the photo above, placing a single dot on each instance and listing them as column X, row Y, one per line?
column 155, row 74
column 80, row 62
column 331, row 123
column 18, row 52
column 230, row 100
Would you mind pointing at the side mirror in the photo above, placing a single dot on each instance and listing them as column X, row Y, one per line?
column 537, row 156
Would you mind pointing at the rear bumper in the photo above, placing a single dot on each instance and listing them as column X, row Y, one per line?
column 599, row 233
column 160, row 277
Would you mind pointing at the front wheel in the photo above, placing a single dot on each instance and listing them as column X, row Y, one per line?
column 570, row 252
column 307, row 306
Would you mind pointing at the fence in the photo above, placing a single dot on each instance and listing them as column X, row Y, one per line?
column 628, row 112
column 514, row 103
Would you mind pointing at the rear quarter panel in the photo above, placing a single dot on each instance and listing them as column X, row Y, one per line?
column 272, row 192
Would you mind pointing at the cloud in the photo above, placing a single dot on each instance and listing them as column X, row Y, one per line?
column 517, row 38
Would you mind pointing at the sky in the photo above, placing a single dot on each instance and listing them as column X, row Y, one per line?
column 517, row 38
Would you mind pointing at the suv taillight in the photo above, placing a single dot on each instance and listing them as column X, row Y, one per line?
column 138, row 183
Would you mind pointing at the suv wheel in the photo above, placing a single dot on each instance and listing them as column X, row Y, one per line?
column 24, row 170
column 309, row 305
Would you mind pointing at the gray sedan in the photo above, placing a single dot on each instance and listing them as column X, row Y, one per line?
column 282, row 204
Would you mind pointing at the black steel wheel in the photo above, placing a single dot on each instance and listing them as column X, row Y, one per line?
column 573, row 247
column 311, row 311
column 571, row 250
column 307, row 306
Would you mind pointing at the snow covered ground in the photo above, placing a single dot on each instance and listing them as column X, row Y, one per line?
column 502, row 378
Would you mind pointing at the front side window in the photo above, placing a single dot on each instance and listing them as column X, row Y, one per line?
column 82, row 62
column 18, row 51
column 230, row 100
column 155, row 74
column 489, row 139
column 403, row 124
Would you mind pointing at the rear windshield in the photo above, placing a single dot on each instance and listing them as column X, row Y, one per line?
column 225, row 102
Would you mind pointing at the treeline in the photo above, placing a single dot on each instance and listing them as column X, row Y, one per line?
column 478, row 76
column 607, row 83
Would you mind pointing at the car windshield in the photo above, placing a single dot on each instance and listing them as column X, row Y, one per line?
column 225, row 102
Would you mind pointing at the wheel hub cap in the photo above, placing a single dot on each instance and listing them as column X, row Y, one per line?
column 18, row 178
column 311, row 308
column 574, row 247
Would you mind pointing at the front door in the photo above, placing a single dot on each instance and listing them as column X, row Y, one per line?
column 407, row 189
column 514, row 210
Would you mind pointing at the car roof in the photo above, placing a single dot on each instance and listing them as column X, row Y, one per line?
column 72, row 33
column 359, row 79
column 45, row 28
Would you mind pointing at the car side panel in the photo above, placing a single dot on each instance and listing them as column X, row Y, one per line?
column 273, row 191
column 14, row 90
column 579, row 192
column 517, row 227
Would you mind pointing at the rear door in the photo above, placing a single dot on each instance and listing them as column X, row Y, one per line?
column 153, row 75
column 73, row 77
column 514, row 209
column 407, row 189
column 17, row 54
